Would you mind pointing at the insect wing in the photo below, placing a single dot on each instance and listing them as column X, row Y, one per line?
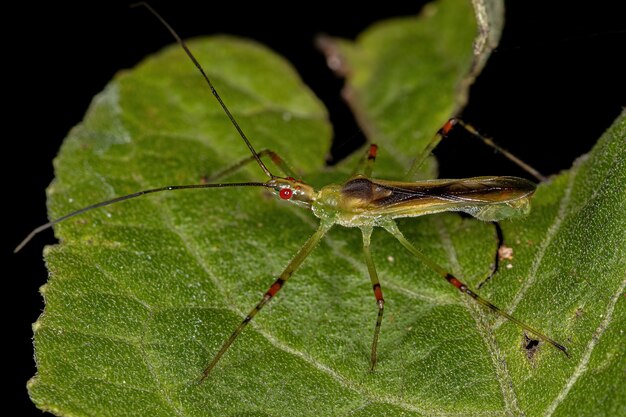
column 486, row 198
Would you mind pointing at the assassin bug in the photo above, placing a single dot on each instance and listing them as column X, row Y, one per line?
column 364, row 203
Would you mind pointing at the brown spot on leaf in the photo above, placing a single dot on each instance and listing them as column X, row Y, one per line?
column 505, row 252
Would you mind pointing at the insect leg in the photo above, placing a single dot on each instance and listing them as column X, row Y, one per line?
column 419, row 160
column 378, row 292
column 445, row 131
column 274, row 157
column 489, row 142
column 392, row 228
column 366, row 162
column 496, row 261
column 297, row 260
column 371, row 159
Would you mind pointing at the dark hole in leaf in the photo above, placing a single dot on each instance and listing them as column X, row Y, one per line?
column 532, row 344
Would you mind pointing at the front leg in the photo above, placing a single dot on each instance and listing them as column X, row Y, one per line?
column 297, row 260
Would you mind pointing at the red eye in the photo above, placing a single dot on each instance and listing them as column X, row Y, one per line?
column 285, row 193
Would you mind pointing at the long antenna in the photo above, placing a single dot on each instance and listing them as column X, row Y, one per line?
column 128, row 197
column 170, row 187
column 213, row 90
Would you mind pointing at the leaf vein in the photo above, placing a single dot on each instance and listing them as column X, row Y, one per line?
column 545, row 243
column 582, row 365
column 160, row 387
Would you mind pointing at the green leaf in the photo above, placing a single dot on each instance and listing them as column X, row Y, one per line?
column 143, row 293
column 406, row 78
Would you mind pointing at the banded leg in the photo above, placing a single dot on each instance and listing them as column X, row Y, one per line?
column 489, row 142
column 378, row 292
column 392, row 228
column 445, row 131
column 274, row 157
column 441, row 133
column 369, row 162
column 271, row 292
column 366, row 162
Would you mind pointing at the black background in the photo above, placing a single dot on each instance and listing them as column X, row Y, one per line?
column 549, row 91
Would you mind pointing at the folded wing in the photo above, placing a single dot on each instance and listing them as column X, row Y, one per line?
column 486, row 198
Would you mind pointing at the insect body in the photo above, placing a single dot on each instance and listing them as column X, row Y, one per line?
column 364, row 203
column 367, row 203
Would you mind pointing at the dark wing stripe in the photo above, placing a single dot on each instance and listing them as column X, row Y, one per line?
column 478, row 190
